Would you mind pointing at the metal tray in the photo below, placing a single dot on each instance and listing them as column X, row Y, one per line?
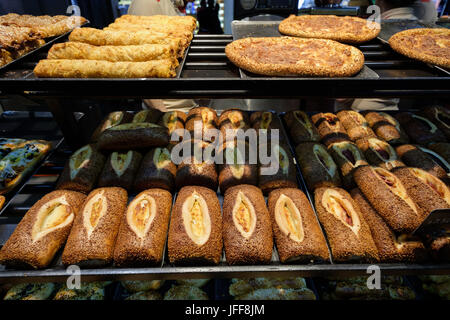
column 391, row 27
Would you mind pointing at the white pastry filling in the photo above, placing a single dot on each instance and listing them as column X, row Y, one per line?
column 120, row 162
column 196, row 219
column 288, row 219
column 244, row 217
column 342, row 209
column 93, row 211
column 140, row 214
column 80, row 159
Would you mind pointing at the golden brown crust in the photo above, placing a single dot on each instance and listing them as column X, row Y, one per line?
column 386, row 127
column 379, row 153
column 111, row 178
column 300, row 127
column 174, row 120
column 207, row 118
column 130, row 249
column 344, row 29
column 96, row 248
column 421, row 130
column 257, row 248
column 313, row 247
column 22, row 251
column 355, row 124
column 330, row 128
column 182, row 249
column 2, row 201
column 264, row 120
column 346, row 244
column 431, row 45
column 287, row 56
column 231, row 120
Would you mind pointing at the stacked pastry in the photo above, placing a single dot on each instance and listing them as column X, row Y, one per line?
column 131, row 47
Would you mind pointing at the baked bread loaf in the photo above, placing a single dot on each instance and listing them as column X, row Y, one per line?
column 174, row 121
column 387, row 194
column 156, row 171
column 297, row 232
column 386, row 127
column 300, row 127
column 317, row 166
column 265, row 120
column 440, row 116
column 133, row 136
column 195, row 234
column 232, row 120
column 149, row 116
column 347, row 232
column 143, row 230
column 111, row 120
column 42, row 231
column 379, row 153
column 355, row 124
column 420, row 129
column 206, row 119
column 348, row 157
column 94, row 232
column 120, row 170
column 391, row 247
column 247, row 226
column 442, row 149
column 82, row 170
column 330, row 128
column 280, row 172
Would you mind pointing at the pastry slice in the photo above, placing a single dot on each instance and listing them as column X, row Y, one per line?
column 111, row 120
column 264, row 120
column 94, row 232
column 174, row 121
column 232, row 120
column 330, row 128
column 420, row 129
column 300, row 127
column 82, row 170
column 386, row 127
column 150, row 116
column 379, row 153
column 347, row 232
column 297, row 232
column 206, row 120
column 43, row 230
column 347, row 157
column 391, row 247
column 195, row 234
column 247, row 226
column 120, row 170
column 143, row 230
column 355, row 124
column 387, row 194
column 440, row 116
column 317, row 166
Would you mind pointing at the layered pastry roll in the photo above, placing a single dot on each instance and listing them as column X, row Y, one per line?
column 280, row 172
column 442, row 149
column 195, row 234
column 120, row 169
column 143, row 230
column 330, row 128
column 356, row 125
column 379, row 153
column 420, row 129
column 236, row 168
column 247, row 226
column 156, row 171
column 300, row 127
column 206, row 119
column 440, row 117
column 386, row 127
column 111, row 120
column 297, row 232
column 151, row 116
column 391, row 247
column 174, row 120
column 94, row 232
column 419, row 157
column 347, row 232
column 317, row 166
column 82, row 170
column 387, row 194
column 43, row 230
column 189, row 22
column 264, row 120
column 347, row 157
column 232, row 120
column 133, row 136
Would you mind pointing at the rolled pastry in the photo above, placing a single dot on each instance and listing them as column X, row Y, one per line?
column 150, row 116
column 330, row 128
column 265, row 120
column 232, row 120
column 379, row 153
column 174, row 120
column 111, row 120
column 300, row 127
column 120, row 169
column 356, row 125
column 421, row 130
column 206, row 119
column 386, row 127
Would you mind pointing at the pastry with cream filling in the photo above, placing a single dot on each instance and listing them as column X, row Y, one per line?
column 120, row 169
column 232, row 120
column 247, row 226
column 43, row 230
column 195, row 233
column 94, row 232
column 156, row 171
column 206, row 119
column 440, row 116
column 421, row 130
column 317, row 166
column 379, row 153
column 143, row 230
column 356, row 125
column 300, row 127
column 150, row 116
column 173, row 121
column 330, row 128
column 347, row 232
column 391, row 247
column 297, row 232
column 387, row 194
column 82, row 170
column 111, row 120
column 386, row 127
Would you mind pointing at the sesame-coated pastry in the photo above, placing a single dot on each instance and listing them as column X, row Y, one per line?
column 300, row 127
column 440, row 116
column 143, row 230
column 111, row 120
column 386, row 127
column 264, row 120
column 347, row 232
column 379, row 153
column 231, row 120
column 347, row 157
column 317, row 166
column 43, row 230
column 247, row 226
column 391, row 247
column 442, row 149
column 356, row 125
column 205, row 117
column 174, row 120
column 120, row 170
column 330, row 128
column 421, row 130
column 297, row 232
column 94, row 232
column 195, row 234
column 387, row 194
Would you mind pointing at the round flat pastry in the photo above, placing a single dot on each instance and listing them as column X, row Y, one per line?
column 287, row 56
column 431, row 45
column 344, row 29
